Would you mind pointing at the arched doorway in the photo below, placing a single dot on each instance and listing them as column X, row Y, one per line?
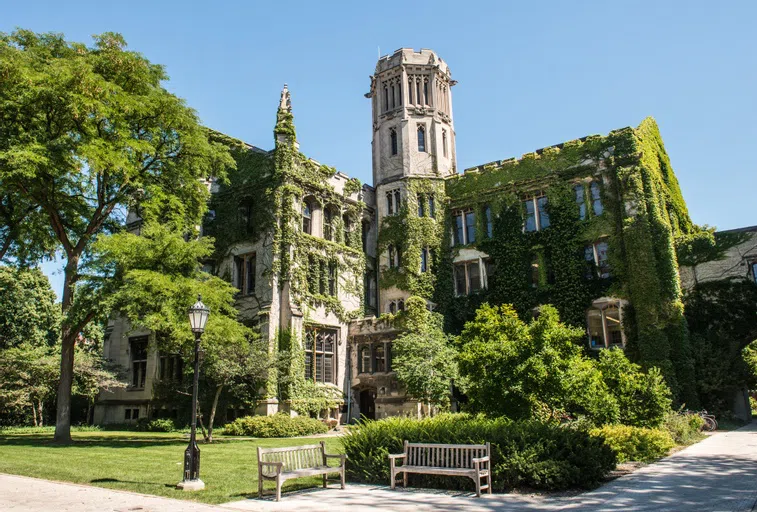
column 368, row 403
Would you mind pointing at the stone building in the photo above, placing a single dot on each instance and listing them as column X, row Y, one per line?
column 324, row 264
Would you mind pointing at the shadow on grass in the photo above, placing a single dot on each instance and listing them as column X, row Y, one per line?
column 106, row 442
column 117, row 481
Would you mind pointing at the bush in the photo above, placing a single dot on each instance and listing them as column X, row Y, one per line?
column 635, row 443
column 524, row 453
column 683, row 428
column 278, row 425
column 159, row 425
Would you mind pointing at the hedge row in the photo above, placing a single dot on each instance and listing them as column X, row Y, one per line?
column 524, row 453
column 278, row 425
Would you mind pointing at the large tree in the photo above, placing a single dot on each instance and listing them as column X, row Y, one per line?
column 85, row 133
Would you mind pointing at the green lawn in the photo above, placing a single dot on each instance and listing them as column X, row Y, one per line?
column 150, row 463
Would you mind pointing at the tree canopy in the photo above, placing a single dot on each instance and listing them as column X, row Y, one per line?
column 86, row 133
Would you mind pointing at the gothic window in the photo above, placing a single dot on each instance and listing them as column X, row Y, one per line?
column 424, row 259
column 389, row 203
column 386, row 98
column 535, row 271
column 537, row 217
column 488, row 217
column 322, row 282
column 465, row 227
column 393, row 96
column 244, row 278
column 580, row 201
column 596, row 200
column 365, row 359
column 320, row 345
column 171, row 368
column 307, row 217
column 604, row 324
column 380, row 358
column 431, row 206
column 421, row 139
column 421, row 205
column 370, row 298
column 444, row 142
column 425, row 93
column 394, row 256
column 489, row 269
column 753, row 267
column 393, row 140
column 328, row 223
column 332, row 279
column 418, row 92
column 393, row 307
column 410, row 91
column 597, row 259
column 397, row 199
column 347, row 225
column 138, row 353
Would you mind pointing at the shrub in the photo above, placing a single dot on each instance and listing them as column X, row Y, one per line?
column 278, row 425
column 524, row 453
column 160, row 425
column 683, row 428
column 635, row 443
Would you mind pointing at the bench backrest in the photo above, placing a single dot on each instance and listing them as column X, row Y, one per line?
column 444, row 455
column 294, row 457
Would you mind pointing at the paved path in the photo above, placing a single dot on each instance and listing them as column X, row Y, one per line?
column 718, row 474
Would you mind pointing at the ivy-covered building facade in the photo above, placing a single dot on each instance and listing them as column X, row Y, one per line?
column 324, row 264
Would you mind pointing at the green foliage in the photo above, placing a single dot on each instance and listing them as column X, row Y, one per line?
column 159, row 425
column 683, row 428
column 521, row 370
column 311, row 398
column 524, row 453
column 423, row 356
column 635, row 443
column 643, row 397
column 539, row 370
column 28, row 312
column 278, row 425
column 722, row 318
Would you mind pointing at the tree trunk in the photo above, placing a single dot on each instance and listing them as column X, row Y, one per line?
column 68, row 342
column 209, row 438
column 34, row 413
column 202, row 425
column 39, row 413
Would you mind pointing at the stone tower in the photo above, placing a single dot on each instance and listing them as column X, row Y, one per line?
column 413, row 137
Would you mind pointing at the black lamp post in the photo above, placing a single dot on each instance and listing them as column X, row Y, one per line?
column 198, row 316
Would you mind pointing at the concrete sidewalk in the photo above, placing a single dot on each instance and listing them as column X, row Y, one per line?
column 718, row 474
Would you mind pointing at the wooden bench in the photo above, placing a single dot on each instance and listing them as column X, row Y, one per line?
column 281, row 464
column 471, row 460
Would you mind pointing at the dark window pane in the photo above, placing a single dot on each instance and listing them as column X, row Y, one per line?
column 328, row 368
column 431, row 206
column 460, row 288
column 543, row 215
column 580, row 200
column 393, row 137
column 602, row 260
column 397, row 201
column 474, row 277
column 470, row 227
column 488, row 214
column 421, row 140
column 458, row 229
column 421, row 205
column 380, row 362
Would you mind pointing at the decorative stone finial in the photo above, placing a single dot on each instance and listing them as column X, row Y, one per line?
column 286, row 100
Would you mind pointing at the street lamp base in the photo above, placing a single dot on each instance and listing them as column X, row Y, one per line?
column 191, row 485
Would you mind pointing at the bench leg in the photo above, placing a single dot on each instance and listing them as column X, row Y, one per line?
column 489, row 481
column 342, row 474
column 278, row 487
column 260, row 483
column 393, row 481
column 324, row 481
column 478, row 486
column 404, row 479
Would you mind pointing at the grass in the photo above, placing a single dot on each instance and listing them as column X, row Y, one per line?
column 147, row 462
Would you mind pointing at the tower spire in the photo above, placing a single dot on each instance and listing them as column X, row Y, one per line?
column 284, row 131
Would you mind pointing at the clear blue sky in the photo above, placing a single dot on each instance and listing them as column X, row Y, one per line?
column 531, row 74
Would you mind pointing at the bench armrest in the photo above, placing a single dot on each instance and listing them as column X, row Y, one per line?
column 396, row 455
column 336, row 456
column 275, row 464
column 480, row 459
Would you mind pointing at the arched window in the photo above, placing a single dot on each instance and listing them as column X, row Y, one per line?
column 393, row 138
column 421, row 139
column 400, row 305
column 307, row 217
column 392, row 307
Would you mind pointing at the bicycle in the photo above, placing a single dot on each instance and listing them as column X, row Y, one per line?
column 710, row 423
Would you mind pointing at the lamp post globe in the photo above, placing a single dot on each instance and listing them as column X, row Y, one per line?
column 198, row 317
